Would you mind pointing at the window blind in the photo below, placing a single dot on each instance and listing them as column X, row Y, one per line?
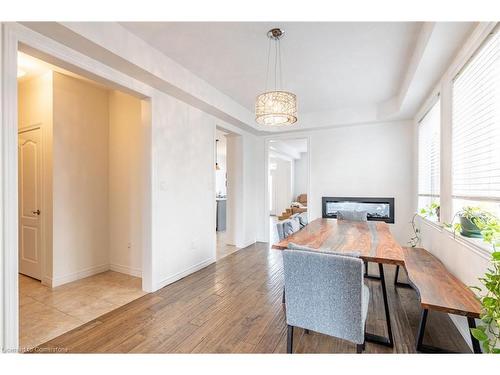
column 429, row 152
column 476, row 126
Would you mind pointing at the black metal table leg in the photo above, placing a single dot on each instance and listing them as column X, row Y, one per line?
column 387, row 341
column 368, row 276
column 397, row 282
column 476, row 348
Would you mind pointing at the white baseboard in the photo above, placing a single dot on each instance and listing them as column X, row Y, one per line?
column 180, row 275
column 46, row 280
column 137, row 272
column 60, row 280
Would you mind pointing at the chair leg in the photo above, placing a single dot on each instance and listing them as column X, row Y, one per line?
column 289, row 340
column 366, row 268
column 283, row 298
column 359, row 348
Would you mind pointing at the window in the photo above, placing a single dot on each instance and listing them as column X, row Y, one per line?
column 429, row 158
column 476, row 130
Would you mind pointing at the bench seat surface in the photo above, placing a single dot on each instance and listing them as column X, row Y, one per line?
column 437, row 287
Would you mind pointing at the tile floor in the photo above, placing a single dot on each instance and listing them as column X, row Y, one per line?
column 45, row 313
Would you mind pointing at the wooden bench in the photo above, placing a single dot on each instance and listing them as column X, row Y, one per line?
column 439, row 290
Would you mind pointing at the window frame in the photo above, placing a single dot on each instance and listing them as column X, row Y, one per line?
column 443, row 88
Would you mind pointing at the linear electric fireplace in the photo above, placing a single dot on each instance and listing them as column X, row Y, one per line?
column 379, row 209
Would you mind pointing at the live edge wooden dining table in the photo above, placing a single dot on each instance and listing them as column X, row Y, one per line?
column 371, row 239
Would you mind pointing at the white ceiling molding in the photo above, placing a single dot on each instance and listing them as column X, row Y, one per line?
column 437, row 46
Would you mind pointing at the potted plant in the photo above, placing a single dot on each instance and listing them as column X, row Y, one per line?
column 431, row 210
column 488, row 331
column 472, row 221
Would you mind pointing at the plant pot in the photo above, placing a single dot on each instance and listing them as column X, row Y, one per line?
column 469, row 229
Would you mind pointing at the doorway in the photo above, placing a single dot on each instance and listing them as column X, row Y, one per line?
column 224, row 246
column 287, row 181
column 81, row 188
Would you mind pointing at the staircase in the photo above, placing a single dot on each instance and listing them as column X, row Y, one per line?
column 285, row 214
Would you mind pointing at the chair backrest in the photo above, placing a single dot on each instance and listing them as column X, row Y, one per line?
column 352, row 215
column 324, row 293
column 288, row 227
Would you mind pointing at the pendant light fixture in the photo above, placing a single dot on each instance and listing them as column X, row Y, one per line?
column 277, row 107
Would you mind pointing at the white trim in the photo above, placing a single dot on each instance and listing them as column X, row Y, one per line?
column 180, row 275
column 10, row 322
column 86, row 272
column 137, row 272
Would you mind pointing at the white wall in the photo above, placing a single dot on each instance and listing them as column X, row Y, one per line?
column 80, row 182
column 281, row 184
column 126, row 183
column 372, row 160
column 300, row 175
column 183, row 199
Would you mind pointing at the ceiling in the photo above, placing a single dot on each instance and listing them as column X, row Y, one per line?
column 328, row 65
column 289, row 148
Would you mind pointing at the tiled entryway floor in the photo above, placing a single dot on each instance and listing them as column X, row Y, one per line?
column 45, row 313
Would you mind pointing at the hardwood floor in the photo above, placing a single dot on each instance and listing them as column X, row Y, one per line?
column 234, row 306
column 223, row 248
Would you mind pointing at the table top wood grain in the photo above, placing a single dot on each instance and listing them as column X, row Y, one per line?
column 372, row 239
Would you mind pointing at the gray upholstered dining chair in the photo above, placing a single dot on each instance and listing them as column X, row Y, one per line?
column 288, row 227
column 325, row 293
column 354, row 216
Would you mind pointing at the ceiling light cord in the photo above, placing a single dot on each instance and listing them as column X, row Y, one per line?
column 267, row 67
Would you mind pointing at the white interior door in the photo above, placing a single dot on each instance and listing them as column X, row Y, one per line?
column 30, row 196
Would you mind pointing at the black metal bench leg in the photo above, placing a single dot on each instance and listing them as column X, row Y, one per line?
column 422, row 348
column 421, row 329
column 397, row 282
column 283, row 298
column 387, row 341
column 289, row 339
column 476, row 348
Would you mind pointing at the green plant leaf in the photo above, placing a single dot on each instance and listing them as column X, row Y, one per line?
column 479, row 334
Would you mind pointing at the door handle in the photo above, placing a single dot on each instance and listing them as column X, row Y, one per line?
column 37, row 212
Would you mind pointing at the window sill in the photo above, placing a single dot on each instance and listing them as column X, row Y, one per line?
column 431, row 223
column 476, row 245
